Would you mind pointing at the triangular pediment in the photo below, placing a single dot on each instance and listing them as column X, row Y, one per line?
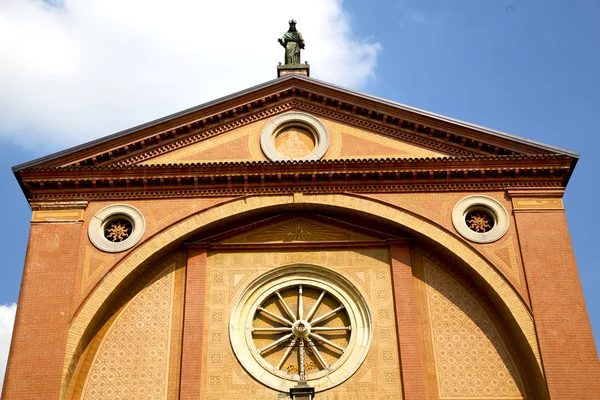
column 226, row 130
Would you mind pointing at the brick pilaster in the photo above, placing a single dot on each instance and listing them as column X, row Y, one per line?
column 411, row 361
column 193, row 324
column 35, row 364
column 565, row 337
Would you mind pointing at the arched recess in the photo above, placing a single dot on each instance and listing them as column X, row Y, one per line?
column 500, row 290
column 139, row 338
column 469, row 349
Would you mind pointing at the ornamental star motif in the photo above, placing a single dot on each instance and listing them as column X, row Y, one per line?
column 118, row 231
column 479, row 222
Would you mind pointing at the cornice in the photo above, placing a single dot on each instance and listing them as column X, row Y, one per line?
column 323, row 176
column 537, row 193
column 524, row 159
column 65, row 205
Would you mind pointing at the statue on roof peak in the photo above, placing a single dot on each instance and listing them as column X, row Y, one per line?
column 293, row 43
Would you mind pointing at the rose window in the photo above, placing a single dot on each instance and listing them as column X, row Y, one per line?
column 301, row 323
column 301, row 330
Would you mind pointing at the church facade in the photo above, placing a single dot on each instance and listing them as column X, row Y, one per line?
column 301, row 235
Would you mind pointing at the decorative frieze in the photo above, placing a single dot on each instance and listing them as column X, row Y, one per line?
column 325, row 176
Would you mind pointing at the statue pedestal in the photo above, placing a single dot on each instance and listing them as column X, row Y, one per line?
column 302, row 391
column 287, row 69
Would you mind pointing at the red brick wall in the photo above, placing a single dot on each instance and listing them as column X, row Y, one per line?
column 193, row 325
column 564, row 333
column 37, row 351
column 411, row 364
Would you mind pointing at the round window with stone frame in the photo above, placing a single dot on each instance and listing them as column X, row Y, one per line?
column 116, row 228
column 480, row 219
column 301, row 323
column 294, row 136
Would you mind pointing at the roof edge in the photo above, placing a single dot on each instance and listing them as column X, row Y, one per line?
column 441, row 118
column 149, row 124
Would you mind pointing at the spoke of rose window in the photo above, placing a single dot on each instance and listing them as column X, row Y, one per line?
column 325, row 316
column 285, row 306
column 314, row 307
column 324, row 328
column 288, row 350
column 274, row 330
column 300, row 307
column 276, row 343
column 329, row 342
column 301, row 360
column 276, row 317
column 317, row 353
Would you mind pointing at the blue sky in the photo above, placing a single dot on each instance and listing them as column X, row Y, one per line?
column 525, row 67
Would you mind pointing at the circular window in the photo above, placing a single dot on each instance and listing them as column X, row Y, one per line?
column 480, row 219
column 301, row 323
column 116, row 228
column 294, row 136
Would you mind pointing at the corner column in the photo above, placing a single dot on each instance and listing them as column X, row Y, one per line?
column 564, row 333
column 409, row 348
column 193, row 323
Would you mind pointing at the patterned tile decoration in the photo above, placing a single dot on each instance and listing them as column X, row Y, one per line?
column 507, row 295
column 436, row 207
column 94, row 263
column 471, row 359
column 158, row 214
column 367, row 268
column 504, row 255
column 133, row 358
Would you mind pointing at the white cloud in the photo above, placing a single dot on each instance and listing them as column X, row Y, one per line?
column 87, row 68
column 7, row 320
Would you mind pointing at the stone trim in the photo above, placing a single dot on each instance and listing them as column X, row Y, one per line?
column 313, row 125
column 322, row 176
column 99, row 220
column 493, row 207
column 315, row 276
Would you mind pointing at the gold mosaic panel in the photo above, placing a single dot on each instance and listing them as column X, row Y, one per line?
column 133, row 358
column 228, row 273
column 464, row 351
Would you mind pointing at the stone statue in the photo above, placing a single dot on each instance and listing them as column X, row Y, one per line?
column 293, row 42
